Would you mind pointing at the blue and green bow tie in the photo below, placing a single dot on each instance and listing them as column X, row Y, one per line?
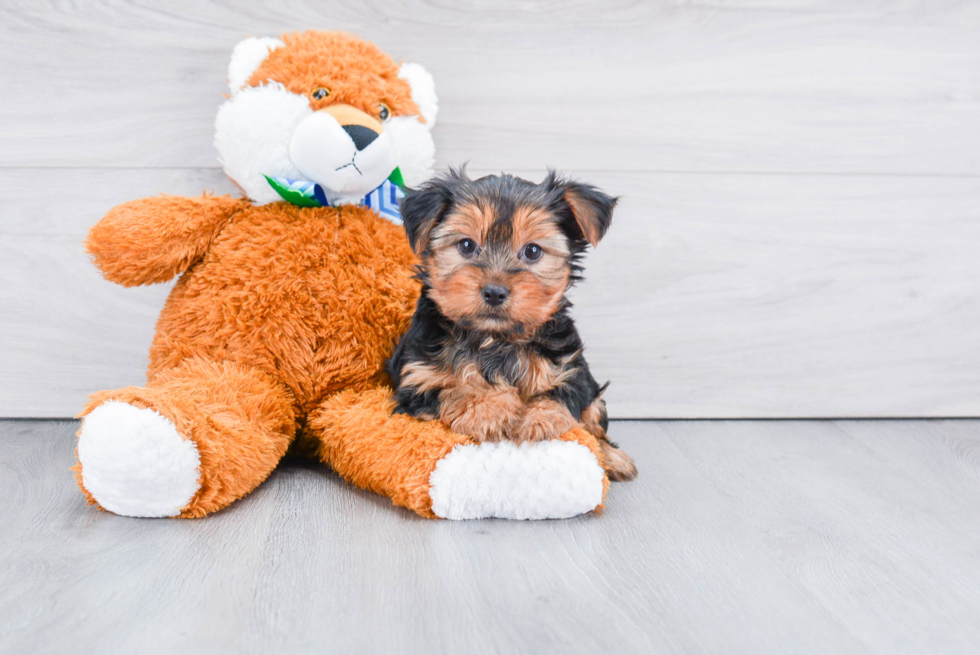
column 304, row 193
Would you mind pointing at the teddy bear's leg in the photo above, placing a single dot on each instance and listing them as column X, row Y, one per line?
column 196, row 438
column 425, row 467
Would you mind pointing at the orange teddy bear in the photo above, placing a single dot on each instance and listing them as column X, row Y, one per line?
column 289, row 302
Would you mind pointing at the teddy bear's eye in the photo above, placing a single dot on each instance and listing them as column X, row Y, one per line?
column 383, row 112
column 321, row 93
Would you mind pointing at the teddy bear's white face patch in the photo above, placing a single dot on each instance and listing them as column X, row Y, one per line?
column 252, row 134
column 413, row 147
column 347, row 161
column 269, row 131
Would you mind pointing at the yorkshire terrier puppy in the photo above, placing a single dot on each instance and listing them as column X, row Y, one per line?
column 492, row 351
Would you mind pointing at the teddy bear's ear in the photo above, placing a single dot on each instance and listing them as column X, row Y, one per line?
column 247, row 56
column 423, row 91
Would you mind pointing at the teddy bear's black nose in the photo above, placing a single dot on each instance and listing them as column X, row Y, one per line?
column 360, row 135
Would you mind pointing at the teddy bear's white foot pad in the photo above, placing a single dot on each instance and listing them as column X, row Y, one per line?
column 135, row 463
column 541, row 480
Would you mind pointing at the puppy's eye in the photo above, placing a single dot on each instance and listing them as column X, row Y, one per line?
column 320, row 93
column 467, row 246
column 532, row 252
column 383, row 112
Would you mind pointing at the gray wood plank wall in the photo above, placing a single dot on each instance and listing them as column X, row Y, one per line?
column 800, row 182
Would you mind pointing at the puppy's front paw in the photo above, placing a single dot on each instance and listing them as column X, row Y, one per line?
column 543, row 420
column 619, row 466
column 492, row 415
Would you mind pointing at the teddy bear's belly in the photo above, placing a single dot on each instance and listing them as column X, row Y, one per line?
column 315, row 297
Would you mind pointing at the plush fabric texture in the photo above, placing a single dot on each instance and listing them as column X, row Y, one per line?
column 135, row 463
column 415, row 151
column 430, row 470
column 358, row 436
column 247, row 56
column 313, row 297
column 323, row 152
column 153, row 240
column 276, row 334
column 254, row 127
column 354, row 71
column 423, row 91
column 554, row 479
column 241, row 422
column 252, row 132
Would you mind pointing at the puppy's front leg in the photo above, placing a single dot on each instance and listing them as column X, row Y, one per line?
column 487, row 413
column 545, row 418
column 619, row 466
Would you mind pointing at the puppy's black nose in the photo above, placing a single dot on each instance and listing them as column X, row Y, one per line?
column 360, row 135
column 494, row 295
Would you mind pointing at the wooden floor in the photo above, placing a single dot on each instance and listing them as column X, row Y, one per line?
column 738, row 537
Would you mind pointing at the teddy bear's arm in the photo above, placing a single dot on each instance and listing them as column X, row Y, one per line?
column 154, row 239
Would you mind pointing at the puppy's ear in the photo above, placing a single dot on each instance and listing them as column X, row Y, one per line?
column 591, row 208
column 424, row 208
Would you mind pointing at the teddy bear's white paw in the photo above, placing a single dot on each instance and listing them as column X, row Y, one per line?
column 539, row 480
column 135, row 463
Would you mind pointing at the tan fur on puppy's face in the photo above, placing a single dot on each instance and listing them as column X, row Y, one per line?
column 535, row 287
